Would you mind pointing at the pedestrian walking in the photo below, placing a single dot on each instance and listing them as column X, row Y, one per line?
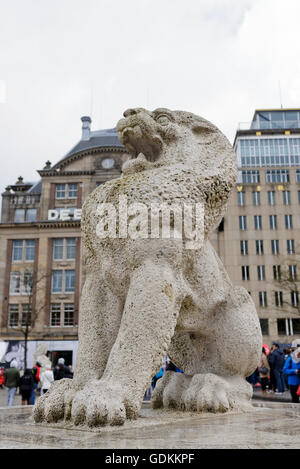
column 292, row 370
column 264, row 370
column 36, row 371
column 11, row 381
column 277, row 363
column 26, row 386
column 47, row 378
column 272, row 380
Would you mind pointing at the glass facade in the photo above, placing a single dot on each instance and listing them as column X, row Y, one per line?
column 265, row 152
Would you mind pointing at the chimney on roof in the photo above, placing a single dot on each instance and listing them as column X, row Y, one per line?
column 86, row 127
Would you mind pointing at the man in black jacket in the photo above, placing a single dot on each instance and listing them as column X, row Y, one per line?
column 62, row 371
column 277, row 363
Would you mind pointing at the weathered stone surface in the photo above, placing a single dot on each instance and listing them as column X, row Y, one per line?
column 272, row 426
column 144, row 298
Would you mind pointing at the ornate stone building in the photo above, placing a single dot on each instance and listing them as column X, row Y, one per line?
column 40, row 248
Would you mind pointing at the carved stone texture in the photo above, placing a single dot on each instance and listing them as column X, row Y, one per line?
column 147, row 297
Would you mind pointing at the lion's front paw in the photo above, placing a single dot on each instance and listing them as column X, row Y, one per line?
column 211, row 393
column 101, row 403
column 55, row 404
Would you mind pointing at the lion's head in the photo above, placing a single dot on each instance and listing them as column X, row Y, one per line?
column 163, row 138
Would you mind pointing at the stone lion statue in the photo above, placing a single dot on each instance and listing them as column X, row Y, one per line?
column 145, row 297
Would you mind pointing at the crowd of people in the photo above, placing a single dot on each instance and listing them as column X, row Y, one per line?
column 279, row 370
column 33, row 382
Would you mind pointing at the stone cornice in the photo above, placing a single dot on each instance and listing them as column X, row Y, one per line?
column 83, row 153
column 51, row 173
column 43, row 224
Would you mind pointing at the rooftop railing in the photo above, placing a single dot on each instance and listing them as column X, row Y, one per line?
column 269, row 125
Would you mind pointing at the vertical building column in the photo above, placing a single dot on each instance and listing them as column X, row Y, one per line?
column 77, row 282
column 79, row 195
column 35, row 275
column 6, row 283
column 48, row 281
column 52, row 196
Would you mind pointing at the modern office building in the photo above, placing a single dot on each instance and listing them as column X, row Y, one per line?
column 41, row 273
column 260, row 241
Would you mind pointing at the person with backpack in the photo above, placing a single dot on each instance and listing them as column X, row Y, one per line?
column 11, row 381
column 26, row 386
column 292, row 370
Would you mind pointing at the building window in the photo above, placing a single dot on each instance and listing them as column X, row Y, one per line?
column 286, row 197
column 27, row 283
column 297, row 175
column 295, row 299
column 277, row 175
column 26, row 315
column 72, row 191
column 13, row 315
column 278, row 298
column 244, row 248
column 276, row 272
column 58, row 249
column 59, row 246
column 288, row 221
column 259, row 247
column 243, row 222
column 241, row 199
column 262, row 299
column 71, row 248
column 296, row 326
column 290, row 246
column 68, row 314
column 57, row 276
column 288, row 326
column 273, row 222
column 60, row 192
column 29, row 250
column 55, row 315
column 261, row 272
column 17, row 255
column 245, row 272
column 249, row 177
column 19, row 215
column 275, row 247
column 299, row 197
column 256, row 198
column 31, row 214
column 283, row 326
column 15, row 283
column 264, row 325
column 69, row 281
column 66, row 191
column 271, row 197
column 257, row 222
column 62, row 315
column 293, row 272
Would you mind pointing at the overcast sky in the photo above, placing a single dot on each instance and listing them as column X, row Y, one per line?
column 62, row 59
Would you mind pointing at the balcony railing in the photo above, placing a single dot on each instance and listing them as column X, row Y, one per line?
column 269, row 125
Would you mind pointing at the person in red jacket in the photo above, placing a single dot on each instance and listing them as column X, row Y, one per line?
column 36, row 371
column 2, row 377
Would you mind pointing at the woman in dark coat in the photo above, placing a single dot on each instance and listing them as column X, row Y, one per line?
column 26, row 386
